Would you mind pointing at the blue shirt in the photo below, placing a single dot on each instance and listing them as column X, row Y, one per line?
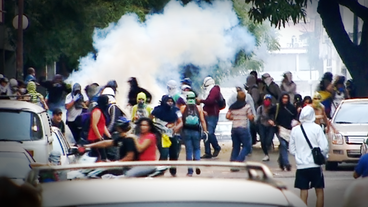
column 362, row 168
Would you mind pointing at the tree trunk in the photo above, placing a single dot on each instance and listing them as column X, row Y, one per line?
column 354, row 56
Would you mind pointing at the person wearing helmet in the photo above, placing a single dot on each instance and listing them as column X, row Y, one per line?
column 75, row 102
column 141, row 109
column 123, row 139
column 193, row 119
column 266, row 131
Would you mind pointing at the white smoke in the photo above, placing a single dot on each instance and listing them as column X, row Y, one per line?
column 154, row 51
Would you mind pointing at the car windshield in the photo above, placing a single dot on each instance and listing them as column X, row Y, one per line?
column 20, row 126
column 14, row 165
column 352, row 113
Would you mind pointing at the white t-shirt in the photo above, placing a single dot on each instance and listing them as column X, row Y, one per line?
column 72, row 113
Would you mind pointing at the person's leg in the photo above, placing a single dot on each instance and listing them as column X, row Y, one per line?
column 236, row 145
column 164, row 153
column 211, row 127
column 188, row 148
column 173, row 154
column 244, row 140
column 262, row 136
column 74, row 130
column 140, row 171
column 320, row 197
column 253, row 132
column 207, row 146
column 283, row 154
column 318, row 182
column 269, row 134
column 304, row 196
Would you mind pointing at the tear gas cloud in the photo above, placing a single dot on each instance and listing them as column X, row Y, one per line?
column 201, row 34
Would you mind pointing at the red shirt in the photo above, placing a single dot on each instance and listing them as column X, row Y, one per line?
column 100, row 126
column 149, row 154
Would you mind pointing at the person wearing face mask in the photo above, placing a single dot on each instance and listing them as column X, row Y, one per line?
column 34, row 97
column 266, row 131
column 288, row 85
column 141, row 109
column 56, row 89
column 271, row 87
column 319, row 109
column 75, row 102
column 13, row 92
column 168, row 117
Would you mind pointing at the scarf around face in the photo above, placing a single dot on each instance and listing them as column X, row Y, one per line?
column 164, row 111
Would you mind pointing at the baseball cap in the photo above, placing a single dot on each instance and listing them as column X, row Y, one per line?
column 57, row 111
column 187, row 81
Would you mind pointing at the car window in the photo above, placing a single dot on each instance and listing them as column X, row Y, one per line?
column 20, row 125
column 14, row 165
column 57, row 145
column 352, row 113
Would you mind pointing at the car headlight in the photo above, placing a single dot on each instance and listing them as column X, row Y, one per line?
column 337, row 139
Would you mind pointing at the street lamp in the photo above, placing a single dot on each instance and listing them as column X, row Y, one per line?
column 24, row 24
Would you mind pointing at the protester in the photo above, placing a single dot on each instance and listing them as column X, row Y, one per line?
column 57, row 120
column 4, row 88
column 134, row 90
column 56, row 89
column 356, row 194
column 288, row 86
column 141, row 109
column 34, row 97
column 325, row 89
column 361, row 170
column 31, row 75
column 308, row 174
column 271, row 88
column 13, row 91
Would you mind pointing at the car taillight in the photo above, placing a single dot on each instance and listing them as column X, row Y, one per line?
column 30, row 152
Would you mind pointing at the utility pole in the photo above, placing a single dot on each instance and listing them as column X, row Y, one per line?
column 19, row 65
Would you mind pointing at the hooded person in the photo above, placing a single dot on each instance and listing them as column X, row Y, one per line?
column 141, row 109
column 168, row 118
column 33, row 96
column 172, row 90
column 113, row 111
column 271, row 88
column 284, row 114
column 211, row 95
column 75, row 103
column 92, row 92
column 308, row 174
column 253, row 90
column 288, row 85
column 134, row 90
column 13, row 91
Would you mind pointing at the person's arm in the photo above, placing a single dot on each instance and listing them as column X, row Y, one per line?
column 128, row 157
column 229, row 115
column 142, row 146
column 95, row 118
column 106, row 132
column 292, row 146
column 203, row 120
column 255, row 95
column 102, row 144
column 113, row 118
column 69, row 101
column 44, row 103
column 178, row 126
column 250, row 114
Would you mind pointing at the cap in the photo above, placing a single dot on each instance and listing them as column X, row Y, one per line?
column 187, row 81
column 56, row 111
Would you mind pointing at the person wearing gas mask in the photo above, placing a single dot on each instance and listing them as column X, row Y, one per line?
column 75, row 102
column 141, row 109
column 56, row 89
column 321, row 117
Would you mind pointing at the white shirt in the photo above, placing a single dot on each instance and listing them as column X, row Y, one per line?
column 298, row 145
column 72, row 112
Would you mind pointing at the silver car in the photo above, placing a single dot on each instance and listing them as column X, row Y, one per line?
column 252, row 186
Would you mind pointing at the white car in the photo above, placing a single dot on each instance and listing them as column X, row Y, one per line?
column 61, row 145
column 15, row 161
column 254, row 187
column 28, row 124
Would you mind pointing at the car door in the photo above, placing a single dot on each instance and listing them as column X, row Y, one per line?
column 71, row 158
column 57, row 145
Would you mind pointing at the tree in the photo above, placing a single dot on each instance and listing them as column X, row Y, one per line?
column 354, row 56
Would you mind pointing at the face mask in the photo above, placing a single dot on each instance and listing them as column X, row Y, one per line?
column 316, row 103
column 140, row 104
column 23, row 90
column 267, row 102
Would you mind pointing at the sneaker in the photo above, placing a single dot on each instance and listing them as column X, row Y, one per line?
column 234, row 170
column 189, row 175
column 206, row 156
column 266, row 158
column 288, row 167
column 216, row 153
column 198, row 171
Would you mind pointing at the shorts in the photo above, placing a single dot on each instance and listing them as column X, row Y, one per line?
column 309, row 178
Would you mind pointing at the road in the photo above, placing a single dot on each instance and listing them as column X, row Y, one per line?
column 335, row 181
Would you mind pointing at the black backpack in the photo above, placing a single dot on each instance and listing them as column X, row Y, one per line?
column 221, row 102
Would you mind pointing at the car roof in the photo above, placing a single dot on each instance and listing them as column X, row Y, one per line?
column 356, row 100
column 20, row 105
column 164, row 189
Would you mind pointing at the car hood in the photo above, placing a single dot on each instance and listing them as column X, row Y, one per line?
column 352, row 129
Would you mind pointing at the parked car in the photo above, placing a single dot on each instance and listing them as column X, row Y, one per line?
column 61, row 145
column 28, row 124
column 223, row 128
column 351, row 121
column 249, row 189
column 15, row 161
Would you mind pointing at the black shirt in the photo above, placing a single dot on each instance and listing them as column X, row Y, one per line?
column 59, row 125
column 126, row 144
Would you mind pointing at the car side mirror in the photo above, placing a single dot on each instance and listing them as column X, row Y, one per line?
column 73, row 151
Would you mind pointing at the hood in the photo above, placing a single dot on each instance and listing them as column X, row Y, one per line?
column 31, row 87
column 77, row 87
column 164, row 99
column 112, row 84
column 133, row 82
column 208, row 82
column 283, row 94
column 288, row 76
column 307, row 115
column 141, row 95
column 171, row 87
column 251, row 80
column 13, row 83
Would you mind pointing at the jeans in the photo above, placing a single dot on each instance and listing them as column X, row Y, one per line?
column 192, row 139
column 266, row 134
column 283, row 152
column 240, row 137
column 171, row 152
column 140, row 171
column 212, row 140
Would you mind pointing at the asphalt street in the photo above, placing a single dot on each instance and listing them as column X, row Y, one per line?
column 335, row 181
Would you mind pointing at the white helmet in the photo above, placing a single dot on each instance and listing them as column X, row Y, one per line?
column 108, row 91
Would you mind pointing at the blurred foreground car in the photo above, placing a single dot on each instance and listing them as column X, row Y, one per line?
column 351, row 120
column 252, row 186
column 15, row 162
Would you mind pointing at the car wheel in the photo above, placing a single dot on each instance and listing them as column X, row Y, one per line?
column 331, row 165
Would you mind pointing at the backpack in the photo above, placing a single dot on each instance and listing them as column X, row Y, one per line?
column 191, row 117
column 83, row 121
column 221, row 102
